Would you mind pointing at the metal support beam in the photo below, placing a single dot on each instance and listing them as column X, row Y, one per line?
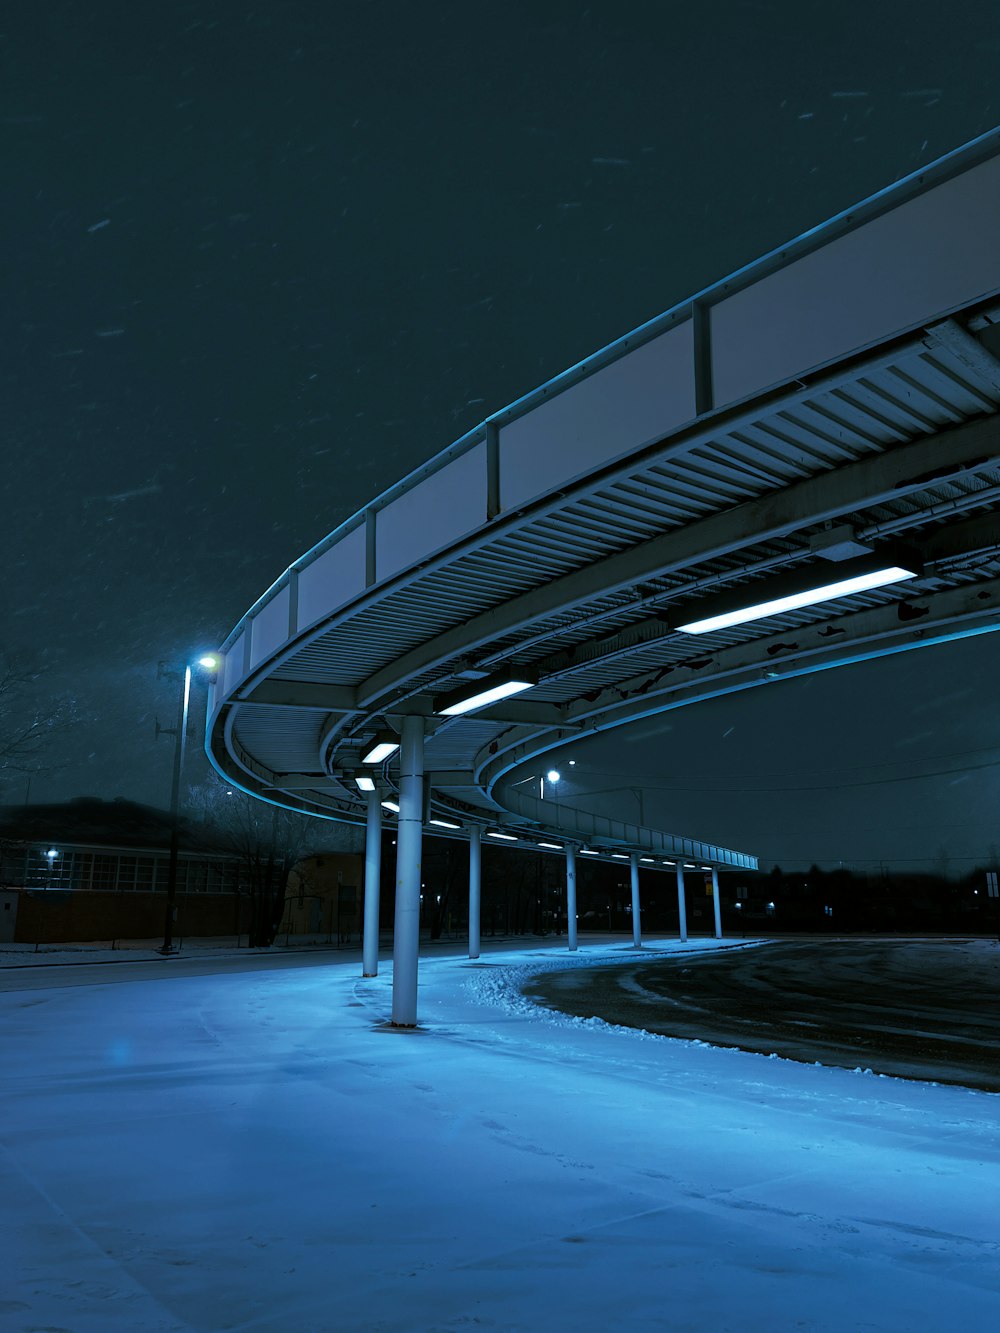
column 636, row 910
column 681, row 904
column 571, row 897
column 870, row 481
column 716, row 905
column 475, row 887
column 373, row 872
column 406, row 935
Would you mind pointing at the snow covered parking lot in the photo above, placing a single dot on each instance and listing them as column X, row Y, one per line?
column 255, row 1150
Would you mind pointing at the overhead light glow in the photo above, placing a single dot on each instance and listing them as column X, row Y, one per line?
column 645, row 858
column 365, row 784
column 552, row 846
column 504, row 837
column 445, row 823
column 586, row 851
column 391, row 805
column 689, row 867
column 210, row 662
column 876, row 578
column 380, row 750
column 483, row 697
column 553, row 775
column 670, row 863
column 619, row 856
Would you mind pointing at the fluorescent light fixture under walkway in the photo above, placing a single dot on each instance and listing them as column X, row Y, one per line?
column 773, row 597
column 483, row 692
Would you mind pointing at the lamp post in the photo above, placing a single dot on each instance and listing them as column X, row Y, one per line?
column 209, row 665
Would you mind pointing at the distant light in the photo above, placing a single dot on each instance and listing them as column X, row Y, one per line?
column 391, row 805
column 572, row 763
column 553, row 775
column 706, row 867
column 670, row 863
column 770, row 907
column 210, row 662
column 453, row 706
column 619, row 856
column 229, row 793
column 552, row 846
column 586, row 851
column 826, row 592
column 51, row 854
column 739, row 905
column 689, row 867
column 380, row 749
column 445, row 823
column 504, row 837
column 365, row 784
column 645, row 858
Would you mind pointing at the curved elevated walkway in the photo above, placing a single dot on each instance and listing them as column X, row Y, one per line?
column 826, row 409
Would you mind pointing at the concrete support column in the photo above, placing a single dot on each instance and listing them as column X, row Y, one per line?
column 406, row 933
column 681, row 904
column 716, row 904
column 636, row 910
column 373, row 872
column 475, row 887
column 571, row 897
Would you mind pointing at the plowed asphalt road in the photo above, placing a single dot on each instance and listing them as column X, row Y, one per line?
column 927, row 1009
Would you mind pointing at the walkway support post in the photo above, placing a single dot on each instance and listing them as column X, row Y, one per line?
column 571, row 897
column 373, row 872
column 716, row 904
column 636, row 921
column 475, row 887
column 406, row 933
column 681, row 904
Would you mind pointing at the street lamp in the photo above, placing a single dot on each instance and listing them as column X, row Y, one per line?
column 208, row 665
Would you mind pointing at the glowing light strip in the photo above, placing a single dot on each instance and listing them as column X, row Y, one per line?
column 585, row 851
column 379, row 751
column 444, row 823
column 391, row 805
column 485, row 697
column 506, row 837
column 552, row 846
column 843, row 588
column 365, row 784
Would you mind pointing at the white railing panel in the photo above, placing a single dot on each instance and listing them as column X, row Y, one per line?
column 436, row 512
column 332, row 579
column 233, row 671
column 269, row 627
column 646, row 393
column 929, row 255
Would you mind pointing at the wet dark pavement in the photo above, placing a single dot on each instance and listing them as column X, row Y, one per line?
column 927, row 1009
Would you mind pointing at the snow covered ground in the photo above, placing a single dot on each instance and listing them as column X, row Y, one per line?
column 256, row 1150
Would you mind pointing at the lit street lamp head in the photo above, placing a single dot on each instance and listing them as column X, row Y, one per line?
column 552, row 775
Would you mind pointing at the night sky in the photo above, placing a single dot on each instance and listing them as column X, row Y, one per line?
column 263, row 259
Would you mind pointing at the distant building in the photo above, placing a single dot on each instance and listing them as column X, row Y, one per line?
column 324, row 898
column 97, row 870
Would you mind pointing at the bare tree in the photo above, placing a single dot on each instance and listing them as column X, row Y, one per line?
column 269, row 841
column 30, row 723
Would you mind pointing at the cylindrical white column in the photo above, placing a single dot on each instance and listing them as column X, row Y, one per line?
column 681, row 904
column 406, row 933
column 475, row 886
column 373, row 871
column 571, row 897
column 716, row 904
column 636, row 922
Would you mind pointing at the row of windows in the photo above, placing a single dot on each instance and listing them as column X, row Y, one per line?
column 51, row 868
